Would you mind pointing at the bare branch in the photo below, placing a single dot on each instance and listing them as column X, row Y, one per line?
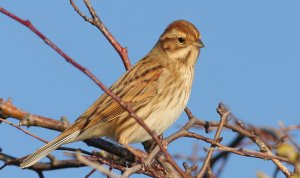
column 100, row 168
column 244, row 131
column 95, row 20
column 264, row 148
column 224, row 114
column 38, row 167
column 26, row 119
column 23, row 130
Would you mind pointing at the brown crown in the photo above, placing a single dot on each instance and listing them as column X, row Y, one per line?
column 185, row 27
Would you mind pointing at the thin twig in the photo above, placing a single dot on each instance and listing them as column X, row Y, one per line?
column 132, row 170
column 259, row 142
column 238, row 151
column 23, row 130
column 253, row 154
column 94, row 165
column 264, row 148
column 90, row 173
column 43, row 140
column 224, row 155
column 224, row 114
column 96, row 21
column 38, row 167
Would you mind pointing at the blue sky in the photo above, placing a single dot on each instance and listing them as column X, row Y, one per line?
column 250, row 62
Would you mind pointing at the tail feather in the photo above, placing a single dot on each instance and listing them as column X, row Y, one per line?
column 46, row 149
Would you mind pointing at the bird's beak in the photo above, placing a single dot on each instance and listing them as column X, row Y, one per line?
column 198, row 44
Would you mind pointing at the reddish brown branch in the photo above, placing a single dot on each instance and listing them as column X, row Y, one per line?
column 96, row 21
column 7, row 109
column 25, row 131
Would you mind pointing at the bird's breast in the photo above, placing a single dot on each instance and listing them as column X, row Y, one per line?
column 168, row 105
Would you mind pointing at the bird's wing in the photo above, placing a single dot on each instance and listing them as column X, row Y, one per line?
column 135, row 88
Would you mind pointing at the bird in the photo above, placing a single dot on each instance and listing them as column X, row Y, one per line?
column 157, row 88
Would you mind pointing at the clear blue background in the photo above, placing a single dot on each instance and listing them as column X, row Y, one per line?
column 250, row 62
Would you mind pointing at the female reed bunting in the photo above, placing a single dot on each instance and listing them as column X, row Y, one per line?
column 157, row 88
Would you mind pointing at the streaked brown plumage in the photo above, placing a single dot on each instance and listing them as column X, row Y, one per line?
column 157, row 88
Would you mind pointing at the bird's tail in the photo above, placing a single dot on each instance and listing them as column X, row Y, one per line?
column 46, row 149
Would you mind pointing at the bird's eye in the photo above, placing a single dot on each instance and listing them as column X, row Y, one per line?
column 181, row 40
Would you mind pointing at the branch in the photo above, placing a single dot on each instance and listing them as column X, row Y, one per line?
column 193, row 121
column 112, row 148
column 25, row 131
column 96, row 21
column 264, row 148
column 244, row 131
column 7, row 109
column 38, row 167
column 224, row 114
column 100, row 168
column 223, row 155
